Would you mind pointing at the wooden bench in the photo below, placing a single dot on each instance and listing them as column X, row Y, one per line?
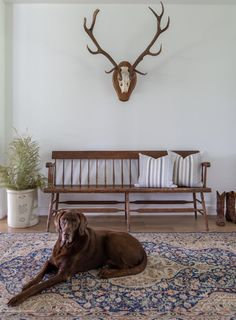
column 115, row 172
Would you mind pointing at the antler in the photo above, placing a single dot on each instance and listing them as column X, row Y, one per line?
column 158, row 32
column 99, row 49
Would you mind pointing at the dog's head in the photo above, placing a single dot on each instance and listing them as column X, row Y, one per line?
column 70, row 224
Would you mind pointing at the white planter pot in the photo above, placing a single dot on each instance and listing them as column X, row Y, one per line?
column 21, row 205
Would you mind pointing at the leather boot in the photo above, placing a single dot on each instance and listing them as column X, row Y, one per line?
column 220, row 209
column 230, row 207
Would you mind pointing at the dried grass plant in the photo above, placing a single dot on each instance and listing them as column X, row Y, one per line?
column 23, row 169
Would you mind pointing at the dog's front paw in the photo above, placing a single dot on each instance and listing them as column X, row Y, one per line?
column 13, row 302
column 17, row 299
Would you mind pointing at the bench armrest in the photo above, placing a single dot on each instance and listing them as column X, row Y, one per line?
column 51, row 172
column 205, row 165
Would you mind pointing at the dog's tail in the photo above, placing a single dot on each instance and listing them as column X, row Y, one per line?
column 140, row 267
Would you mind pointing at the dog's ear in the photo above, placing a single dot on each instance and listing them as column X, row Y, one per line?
column 57, row 217
column 83, row 223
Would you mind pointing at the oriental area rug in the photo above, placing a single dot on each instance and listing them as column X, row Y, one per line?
column 188, row 276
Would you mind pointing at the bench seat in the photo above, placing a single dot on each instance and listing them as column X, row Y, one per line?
column 120, row 189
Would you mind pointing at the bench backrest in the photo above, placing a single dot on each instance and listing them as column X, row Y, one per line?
column 101, row 167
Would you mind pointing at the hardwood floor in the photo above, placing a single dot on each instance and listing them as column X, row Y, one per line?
column 139, row 223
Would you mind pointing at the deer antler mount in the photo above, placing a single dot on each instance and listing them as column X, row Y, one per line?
column 125, row 74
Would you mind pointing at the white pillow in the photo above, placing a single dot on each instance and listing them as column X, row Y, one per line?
column 188, row 170
column 156, row 173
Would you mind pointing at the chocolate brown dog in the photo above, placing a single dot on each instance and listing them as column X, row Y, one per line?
column 79, row 248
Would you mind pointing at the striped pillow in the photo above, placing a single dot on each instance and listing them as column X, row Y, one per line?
column 155, row 172
column 187, row 171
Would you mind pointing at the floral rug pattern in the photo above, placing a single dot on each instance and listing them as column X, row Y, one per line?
column 188, row 276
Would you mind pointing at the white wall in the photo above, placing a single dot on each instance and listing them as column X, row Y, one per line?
column 187, row 100
column 2, row 98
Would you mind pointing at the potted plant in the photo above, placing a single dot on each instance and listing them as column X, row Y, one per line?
column 21, row 177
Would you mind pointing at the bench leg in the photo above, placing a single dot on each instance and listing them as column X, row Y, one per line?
column 195, row 204
column 204, row 211
column 57, row 201
column 50, row 211
column 127, row 213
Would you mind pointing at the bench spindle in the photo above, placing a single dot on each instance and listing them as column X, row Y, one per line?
column 80, row 172
column 130, row 172
column 88, row 172
column 105, row 172
column 122, row 172
column 113, row 173
column 96, row 172
column 71, row 172
column 63, row 172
